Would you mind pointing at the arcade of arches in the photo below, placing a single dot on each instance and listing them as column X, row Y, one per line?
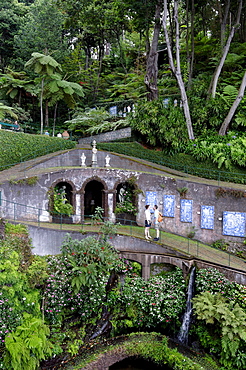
column 94, row 193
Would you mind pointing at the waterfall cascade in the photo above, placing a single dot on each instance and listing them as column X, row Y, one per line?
column 184, row 330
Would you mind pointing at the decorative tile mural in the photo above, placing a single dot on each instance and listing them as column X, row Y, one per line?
column 168, row 205
column 186, row 210
column 234, row 223
column 113, row 110
column 151, row 199
column 207, row 217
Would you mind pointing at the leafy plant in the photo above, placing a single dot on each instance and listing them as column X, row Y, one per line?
column 59, row 204
column 182, row 191
column 231, row 318
column 27, row 345
column 220, row 244
column 98, row 215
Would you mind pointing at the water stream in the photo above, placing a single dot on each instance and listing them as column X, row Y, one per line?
column 184, row 330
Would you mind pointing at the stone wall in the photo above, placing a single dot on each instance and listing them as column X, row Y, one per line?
column 24, row 202
column 108, row 136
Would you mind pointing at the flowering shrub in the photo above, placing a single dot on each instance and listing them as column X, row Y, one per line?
column 160, row 300
column 78, row 277
column 60, row 298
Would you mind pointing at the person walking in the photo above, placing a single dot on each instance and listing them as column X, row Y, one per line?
column 157, row 216
column 147, row 222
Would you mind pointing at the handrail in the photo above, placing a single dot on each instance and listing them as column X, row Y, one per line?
column 32, row 215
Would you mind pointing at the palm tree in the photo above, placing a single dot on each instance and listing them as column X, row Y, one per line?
column 45, row 66
column 60, row 89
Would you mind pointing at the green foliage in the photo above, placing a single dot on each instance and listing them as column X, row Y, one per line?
column 15, row 229
column 194, row 163
column 98, row 215
column 27, row 345
column 93, row 121
column 59, row 204
column 220, row 244
column 6, row 110
column 160, row 353
column 16, row 148
column 223, row 150
column 213, row 281
column 230, row 319
column 160, row 125
column 148, row 304
column 27, row 181
column 77, row 278
column 37, row 272
column 17, row 296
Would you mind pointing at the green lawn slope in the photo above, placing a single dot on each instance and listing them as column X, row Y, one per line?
column 18, row 147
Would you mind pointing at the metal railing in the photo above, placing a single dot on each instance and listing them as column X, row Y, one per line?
column 21, row 213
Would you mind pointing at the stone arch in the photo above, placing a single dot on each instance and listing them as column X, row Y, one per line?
column 146, row 260
column 94, row 192
column 120, row 189
column 70, row 190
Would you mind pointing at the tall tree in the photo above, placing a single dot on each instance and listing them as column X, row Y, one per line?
column 58, row 89
column 41, row 29
column 45, row 66
column 152, row 57
column 234, row 28
column 11, row 15
column 176, row 69
column 234, row 106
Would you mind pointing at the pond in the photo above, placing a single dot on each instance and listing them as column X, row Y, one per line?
column 133, row 363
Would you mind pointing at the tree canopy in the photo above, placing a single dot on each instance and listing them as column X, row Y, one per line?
column 185, row 54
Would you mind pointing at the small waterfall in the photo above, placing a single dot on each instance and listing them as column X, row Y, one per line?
column 184, row 330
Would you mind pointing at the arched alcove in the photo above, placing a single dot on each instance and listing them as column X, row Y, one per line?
column 137, row 363
column 93, row 197
column 161, row 268
column 67, row 189
column 125, row 203
column 62, row 202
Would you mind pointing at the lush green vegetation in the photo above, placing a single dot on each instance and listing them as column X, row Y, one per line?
column 184, row 162
column 57, row 59
column 19, row 147
column 151, row 346
column 56, row 304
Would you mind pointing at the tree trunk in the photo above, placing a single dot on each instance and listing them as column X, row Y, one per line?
column 152, row 59
column 54, row 122
column 214, row 82
column 41, row 108
column 223, row 21
column 46, row 113
column 177, row 70
column 191, row 53
column 234, row 106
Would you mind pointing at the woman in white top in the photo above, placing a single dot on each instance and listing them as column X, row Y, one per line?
column 147, row 221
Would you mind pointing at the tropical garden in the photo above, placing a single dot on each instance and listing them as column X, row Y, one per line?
column 175, row 73
column 55, row 311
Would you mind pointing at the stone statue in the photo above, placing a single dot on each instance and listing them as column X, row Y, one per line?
column 94, row 153
column 121, row 194
column 83, row 158
column 107, row 159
